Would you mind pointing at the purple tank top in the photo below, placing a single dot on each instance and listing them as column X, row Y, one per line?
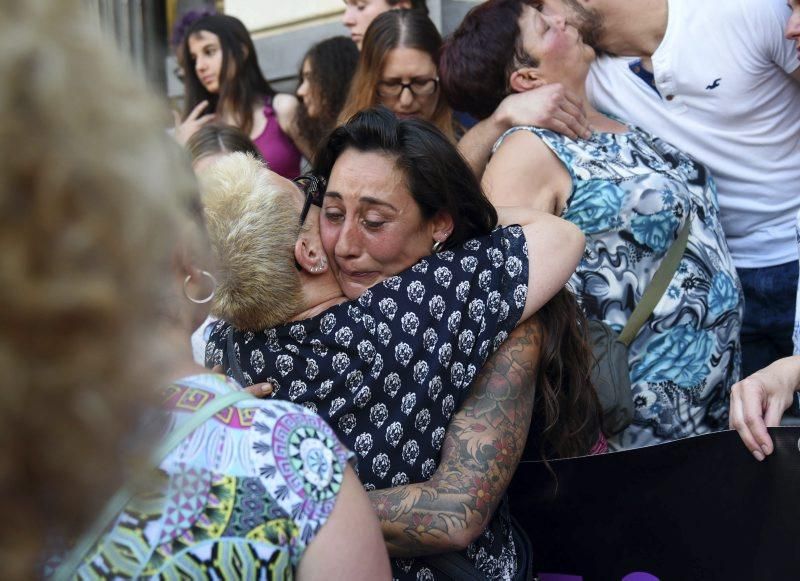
column 276, row 147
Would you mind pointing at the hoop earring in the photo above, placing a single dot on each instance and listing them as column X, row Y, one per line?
column 437, row 246
column 206, row 299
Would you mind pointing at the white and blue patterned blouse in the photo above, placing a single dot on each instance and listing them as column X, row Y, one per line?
column 631, row 195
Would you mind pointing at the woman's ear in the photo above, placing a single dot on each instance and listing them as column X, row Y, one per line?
column 310, row 256
column 442, row 226
column 525, row 79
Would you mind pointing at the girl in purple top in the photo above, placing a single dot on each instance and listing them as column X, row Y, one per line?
column 224, row 82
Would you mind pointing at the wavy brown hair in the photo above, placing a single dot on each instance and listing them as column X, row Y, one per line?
column 566, row 412
column 391, row 30
column 87, row 234
column 333, row 63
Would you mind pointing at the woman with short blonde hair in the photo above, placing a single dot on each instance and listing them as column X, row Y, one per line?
column 253, row 231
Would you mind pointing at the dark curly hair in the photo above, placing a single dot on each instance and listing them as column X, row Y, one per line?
column 567, row 417
column 333, row 63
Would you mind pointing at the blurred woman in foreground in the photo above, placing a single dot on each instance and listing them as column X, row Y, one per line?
column 105, row 243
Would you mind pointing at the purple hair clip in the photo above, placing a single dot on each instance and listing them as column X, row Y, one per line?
column 185, row 21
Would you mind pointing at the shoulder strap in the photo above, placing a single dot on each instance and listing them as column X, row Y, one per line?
column 269, row 108
column 76, row 556
column 233, row 361
column 658, row 286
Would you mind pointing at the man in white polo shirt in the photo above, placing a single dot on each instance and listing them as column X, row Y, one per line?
column 719, row 81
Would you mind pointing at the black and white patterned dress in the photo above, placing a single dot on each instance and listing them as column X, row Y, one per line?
column 388, row 370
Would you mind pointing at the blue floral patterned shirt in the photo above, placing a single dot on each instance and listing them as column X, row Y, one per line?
column 631, row 195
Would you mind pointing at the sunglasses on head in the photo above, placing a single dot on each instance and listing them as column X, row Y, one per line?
column 313, row 187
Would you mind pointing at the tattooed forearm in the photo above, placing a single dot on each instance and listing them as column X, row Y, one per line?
column 482, row 448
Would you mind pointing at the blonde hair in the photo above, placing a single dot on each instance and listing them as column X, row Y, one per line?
column 253, row 223
column 87, row 232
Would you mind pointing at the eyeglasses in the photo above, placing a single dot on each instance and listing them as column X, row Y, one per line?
column 313, row 187
column 418, row 88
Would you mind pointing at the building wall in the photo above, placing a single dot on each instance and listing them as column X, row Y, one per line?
column 263, row 15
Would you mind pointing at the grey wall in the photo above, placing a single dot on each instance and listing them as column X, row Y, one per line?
column 139, row 28
column 453, row 12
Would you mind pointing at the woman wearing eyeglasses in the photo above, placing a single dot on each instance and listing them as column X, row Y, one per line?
column 398, row 69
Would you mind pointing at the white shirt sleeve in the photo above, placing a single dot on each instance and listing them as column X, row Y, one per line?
column 767, row 20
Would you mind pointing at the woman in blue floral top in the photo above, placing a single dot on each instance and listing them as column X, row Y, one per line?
column 630, row 194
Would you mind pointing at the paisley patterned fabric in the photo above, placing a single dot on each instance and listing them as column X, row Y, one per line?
column 631, row 195
column 240, row 498
column 388, row 370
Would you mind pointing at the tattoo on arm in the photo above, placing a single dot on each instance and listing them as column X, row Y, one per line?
column 481, row 450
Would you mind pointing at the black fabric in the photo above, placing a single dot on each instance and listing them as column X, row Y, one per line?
column 524, row 551
column 388, row 370
column 235, row 369
column 698, row 508
column 458, row 567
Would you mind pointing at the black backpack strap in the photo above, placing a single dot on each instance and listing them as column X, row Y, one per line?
column 234, row 366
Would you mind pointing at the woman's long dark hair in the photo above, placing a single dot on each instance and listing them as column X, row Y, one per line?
column 436, row 175
column 241, row 82
column 333, row 63
column 566, row 412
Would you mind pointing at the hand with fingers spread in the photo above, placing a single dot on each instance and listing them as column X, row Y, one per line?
column 185, row 128
column 758, row 402
column 550, row 107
